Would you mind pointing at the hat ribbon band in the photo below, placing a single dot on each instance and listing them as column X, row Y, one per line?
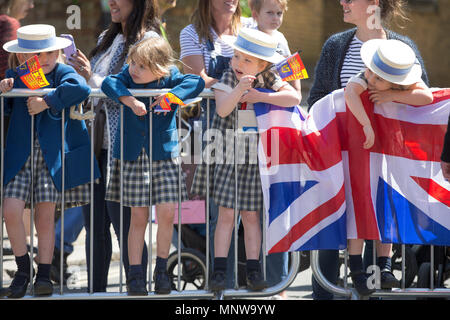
column 388, row 69
column 36, row 44
column 254, row 48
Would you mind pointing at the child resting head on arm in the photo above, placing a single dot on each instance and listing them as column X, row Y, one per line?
column 392, row 74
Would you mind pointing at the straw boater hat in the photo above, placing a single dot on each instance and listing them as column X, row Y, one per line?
column 392, row 60
column 256, row 43
column 36, row 38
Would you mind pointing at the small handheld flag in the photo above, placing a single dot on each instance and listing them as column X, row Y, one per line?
column 167, row 100
column 31, row 74
column 292, row 68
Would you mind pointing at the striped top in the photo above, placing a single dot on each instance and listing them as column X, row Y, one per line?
column 353, row 63
column 190, row 44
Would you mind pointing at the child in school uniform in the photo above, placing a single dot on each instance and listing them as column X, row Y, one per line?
column 392, row 73
column 150, row 66
column 253, row 52
column 70, row 89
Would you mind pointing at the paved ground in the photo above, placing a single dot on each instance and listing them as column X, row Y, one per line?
column 300, row 289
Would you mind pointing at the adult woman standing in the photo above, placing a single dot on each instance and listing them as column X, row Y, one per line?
column 339, row 60
column 132, row 21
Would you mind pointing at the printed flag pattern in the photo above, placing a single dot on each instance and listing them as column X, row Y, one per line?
column 31, row 74
column 321, row 186
column 169, row 98
column 292, row 68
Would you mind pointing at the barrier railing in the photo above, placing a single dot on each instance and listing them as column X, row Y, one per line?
column 351, row 293
column 194, row 294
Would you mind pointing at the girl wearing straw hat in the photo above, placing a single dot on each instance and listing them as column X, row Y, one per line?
column 70, row 89
column 392, row 74
column 253, row 52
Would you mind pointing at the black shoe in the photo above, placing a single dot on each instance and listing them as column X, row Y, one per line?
column 217, row 282
column 359, row 280
column 18, row 286
column 43, row 287
column 162, row 282
column 388, row 280
column 255, row 281
column 136, row 287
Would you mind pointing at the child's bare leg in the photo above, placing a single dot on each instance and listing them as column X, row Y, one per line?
column 224, row 231
column 383, row 249
column 252, row 234
column 13, row 213
column 355, row 246
column 27, row 224
column 45, row 227
column 136, row 234
column 165, row 213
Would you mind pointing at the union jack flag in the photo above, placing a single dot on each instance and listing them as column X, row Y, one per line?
column 321, row 186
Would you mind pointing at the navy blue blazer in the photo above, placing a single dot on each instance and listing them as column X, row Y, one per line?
column 71, row 89
column 136, row 129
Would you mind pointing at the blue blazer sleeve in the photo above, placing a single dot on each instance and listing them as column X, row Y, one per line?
column 115, row 86
column 71, row 90
column 185, row 86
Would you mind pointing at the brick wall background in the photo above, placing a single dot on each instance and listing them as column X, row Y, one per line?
column 307, row 24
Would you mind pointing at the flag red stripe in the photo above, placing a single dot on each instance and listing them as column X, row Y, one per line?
column 309, row 221
column 310, row 149
column 433, row 189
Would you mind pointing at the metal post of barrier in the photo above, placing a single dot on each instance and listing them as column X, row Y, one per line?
column 179, row 200
column 2, row 119
column 121, row 200
column 403, row 267
column 324, row 283
column 150, row 207
column 432, row 267
column 32, row 205
column 207, row 253
column 63, row 166
column 236, row 211
column 91, row 213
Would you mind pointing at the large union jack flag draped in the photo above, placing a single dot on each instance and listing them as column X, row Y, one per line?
column 321, row 187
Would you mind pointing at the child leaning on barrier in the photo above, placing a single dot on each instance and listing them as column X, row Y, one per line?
column 392, row 74
column 150, row 66
column 253, row 52
column 268, row 15
column 70, row 89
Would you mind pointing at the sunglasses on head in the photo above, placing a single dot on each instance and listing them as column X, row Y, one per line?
column 347, row 1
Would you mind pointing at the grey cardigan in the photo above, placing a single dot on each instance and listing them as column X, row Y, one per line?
column 327, row 74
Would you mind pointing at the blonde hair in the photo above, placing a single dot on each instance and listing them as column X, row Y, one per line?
column 256, row 5
column 203, row 20
column 156, row 53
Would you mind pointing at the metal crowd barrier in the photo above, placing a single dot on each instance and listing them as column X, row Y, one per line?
column 175, row 294
column 352, row 294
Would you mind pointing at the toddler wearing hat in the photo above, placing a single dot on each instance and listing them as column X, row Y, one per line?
column 44, row 114
column 392, row 74
column 236, row 90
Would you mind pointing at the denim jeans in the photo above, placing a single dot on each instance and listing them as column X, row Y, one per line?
column 73, row 224
column 105, row 213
